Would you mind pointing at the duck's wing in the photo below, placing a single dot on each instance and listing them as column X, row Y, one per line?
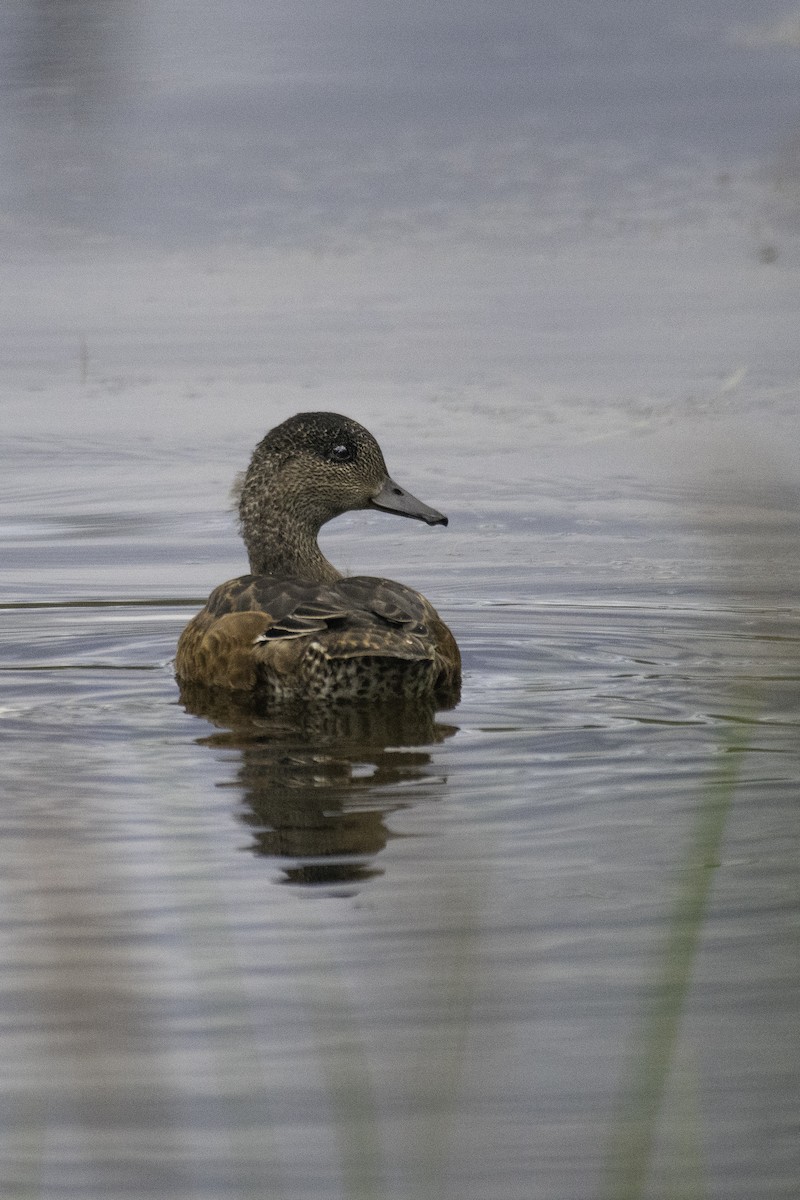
column 378, row 606
column 388, row 621
column 257, row 624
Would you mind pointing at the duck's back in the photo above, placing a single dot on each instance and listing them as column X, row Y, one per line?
column 358, row 638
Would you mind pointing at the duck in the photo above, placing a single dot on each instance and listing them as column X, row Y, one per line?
column 295, row 629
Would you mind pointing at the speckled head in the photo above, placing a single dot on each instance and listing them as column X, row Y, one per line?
column 304, row 473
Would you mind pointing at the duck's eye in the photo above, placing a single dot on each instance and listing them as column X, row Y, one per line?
column 341, row 453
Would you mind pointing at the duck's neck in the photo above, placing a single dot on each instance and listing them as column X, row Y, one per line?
column 288, row 549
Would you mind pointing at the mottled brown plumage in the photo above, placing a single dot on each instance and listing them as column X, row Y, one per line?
column 295, row 629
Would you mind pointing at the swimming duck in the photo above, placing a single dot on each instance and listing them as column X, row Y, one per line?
column 295, row 629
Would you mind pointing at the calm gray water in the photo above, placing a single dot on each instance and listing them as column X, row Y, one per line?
column 545, row 946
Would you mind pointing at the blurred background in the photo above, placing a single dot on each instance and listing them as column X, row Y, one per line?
column 542, row 208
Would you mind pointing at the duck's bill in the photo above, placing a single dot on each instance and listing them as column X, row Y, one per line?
column 394, row 499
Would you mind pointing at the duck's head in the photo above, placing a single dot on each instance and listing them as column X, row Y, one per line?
column 309, row 470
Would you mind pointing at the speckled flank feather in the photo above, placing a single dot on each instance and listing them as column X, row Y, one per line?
column 295, row 629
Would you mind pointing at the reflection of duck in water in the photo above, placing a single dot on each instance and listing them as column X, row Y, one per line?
column 316, row 790
column 295, row 629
